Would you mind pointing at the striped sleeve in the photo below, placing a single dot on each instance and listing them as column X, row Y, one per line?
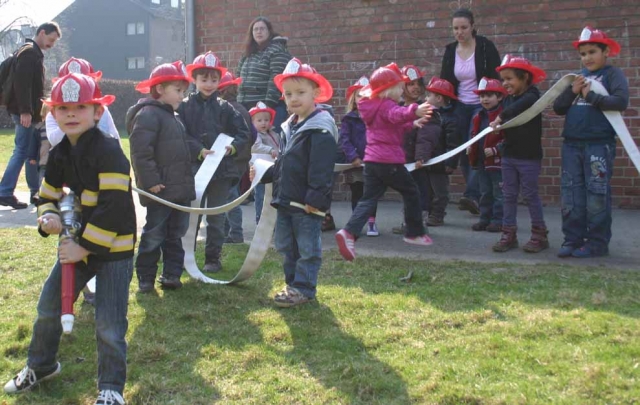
column 277, row 64
column 104, row 232
column 51, row 189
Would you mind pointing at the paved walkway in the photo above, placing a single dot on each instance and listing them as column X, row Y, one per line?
column 454, row 241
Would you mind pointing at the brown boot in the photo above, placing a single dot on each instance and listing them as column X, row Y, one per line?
column 508, row 240
column 538, row 241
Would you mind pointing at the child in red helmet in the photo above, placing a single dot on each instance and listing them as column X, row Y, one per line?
column 205, row 116
column 228, row 88
column 589, row 147
column 485, row 155
column 302, row 178
column 267, row 143
column 93, row 166
column 106, row 124
column 414, row 89
column 162, row 155
column 353, row 140
column 521, row 154
column 386, row 124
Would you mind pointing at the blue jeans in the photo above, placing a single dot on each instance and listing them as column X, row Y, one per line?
column 281, row 115
column 465, row 113
column 298, row 240
column 24, row 136
column 377, row 177
column 521, row 174
column 233, row 221
column 259, row 200
column 586, row 194
column 490, row 196
column 162, row 235
column 112, row 299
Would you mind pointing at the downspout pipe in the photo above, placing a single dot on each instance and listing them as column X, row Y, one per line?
column 190, row 29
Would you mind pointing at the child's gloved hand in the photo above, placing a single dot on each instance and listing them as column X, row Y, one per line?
column 70, row 252
column 50, row 223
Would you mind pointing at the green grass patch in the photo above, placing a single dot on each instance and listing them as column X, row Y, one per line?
column 457, row 333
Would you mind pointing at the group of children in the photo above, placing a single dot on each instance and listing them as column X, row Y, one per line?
column 171, row 135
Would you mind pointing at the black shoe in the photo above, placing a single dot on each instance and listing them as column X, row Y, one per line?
column 231, row 240
column 12, row 201
column 470, row 205
column 34, row 198
column 213, row 266
column 170, row 283
column 145, row 287
column 328, row 224
column 28, row 378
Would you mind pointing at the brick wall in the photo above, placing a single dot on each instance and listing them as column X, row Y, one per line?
column 347, row 39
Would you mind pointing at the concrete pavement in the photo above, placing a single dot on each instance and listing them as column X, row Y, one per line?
column 453, row 241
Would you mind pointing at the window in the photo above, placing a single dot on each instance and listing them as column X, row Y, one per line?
column 175, row 3
column 135, row 63
column 155, row 1
column 135, row 28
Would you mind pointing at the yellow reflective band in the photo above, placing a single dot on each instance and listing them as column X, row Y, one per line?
column 49, row 192
column 89, row 198
column 114, row 181
column 48, row 207
column 99, row 236
column 122, row 243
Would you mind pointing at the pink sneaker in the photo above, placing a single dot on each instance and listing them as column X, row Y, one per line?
column 346, row 244
column 423, row 240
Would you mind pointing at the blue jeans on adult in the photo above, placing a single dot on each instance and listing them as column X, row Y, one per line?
column 112, row 300
column 162, row 235
column 24, row 136
column 465, row 113
column 491, row 210
column 233, row 221
column 521, row 174
column 586, row 194
column 377, row 177
column 259, row 200
column 298, row 239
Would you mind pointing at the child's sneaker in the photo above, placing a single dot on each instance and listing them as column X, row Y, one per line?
column 586, row 252
column 290, row 297
column 433, row 220
column 423, row 240
column 28, row 378
column 346, row 245
column 566, row 250
column 109, row 397
column 372, row 229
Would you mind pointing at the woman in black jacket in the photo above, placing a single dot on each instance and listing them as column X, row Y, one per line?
column 464, row 63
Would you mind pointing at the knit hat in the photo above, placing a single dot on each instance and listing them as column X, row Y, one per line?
column 167, row 72
column 295, row 68
column 262, row 107
column 590, row 35
column 76, row 88
column 522, row 63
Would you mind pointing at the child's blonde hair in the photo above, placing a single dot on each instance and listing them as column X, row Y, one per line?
column 394, row 92
column 352, row 105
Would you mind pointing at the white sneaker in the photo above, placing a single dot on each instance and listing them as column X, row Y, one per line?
column 372, row 229
column 109, row 397
column 423, row 240
column 346, row 245
column 27, row 379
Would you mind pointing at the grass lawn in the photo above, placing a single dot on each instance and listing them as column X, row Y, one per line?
column 456, row 333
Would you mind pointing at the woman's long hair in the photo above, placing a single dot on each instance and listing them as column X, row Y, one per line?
column 250, row 44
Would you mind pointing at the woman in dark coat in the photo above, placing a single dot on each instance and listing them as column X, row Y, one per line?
column 464, row 63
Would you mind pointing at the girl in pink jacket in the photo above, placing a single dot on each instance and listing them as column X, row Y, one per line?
column 384, row 158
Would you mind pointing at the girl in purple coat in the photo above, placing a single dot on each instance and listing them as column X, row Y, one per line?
column 384, row 158
column 353, row 140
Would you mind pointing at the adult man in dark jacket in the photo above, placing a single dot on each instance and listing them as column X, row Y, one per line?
column 25, row 89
